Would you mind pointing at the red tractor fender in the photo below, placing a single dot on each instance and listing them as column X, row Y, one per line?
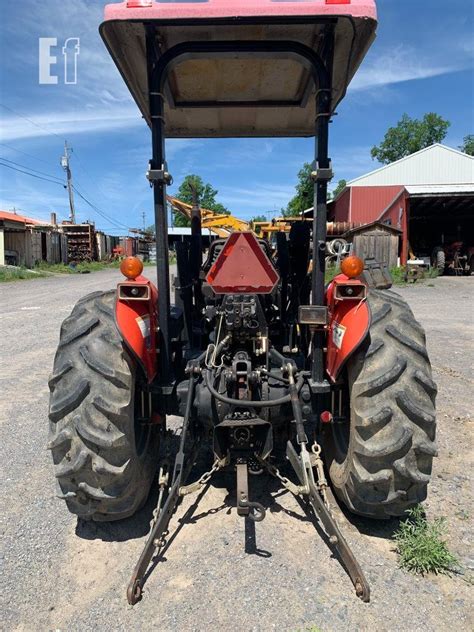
column 349, row 322
column 136, row 316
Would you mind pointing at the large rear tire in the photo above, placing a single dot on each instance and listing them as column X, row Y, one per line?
column 438, row 260
column 380, row 461
column 104, row 456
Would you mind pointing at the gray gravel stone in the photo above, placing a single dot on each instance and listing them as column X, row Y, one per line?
column 60, row 575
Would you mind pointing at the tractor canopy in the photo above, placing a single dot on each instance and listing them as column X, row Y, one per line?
column 250, row 93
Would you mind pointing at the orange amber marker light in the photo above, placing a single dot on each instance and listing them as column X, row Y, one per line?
column 131, row 267
column 352, row 267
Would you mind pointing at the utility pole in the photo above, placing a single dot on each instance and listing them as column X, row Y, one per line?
column 67, row 169
column 144, row 221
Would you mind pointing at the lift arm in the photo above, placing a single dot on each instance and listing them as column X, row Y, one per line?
column 219, row 223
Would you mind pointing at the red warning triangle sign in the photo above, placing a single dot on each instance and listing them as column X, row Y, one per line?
column 242, row 268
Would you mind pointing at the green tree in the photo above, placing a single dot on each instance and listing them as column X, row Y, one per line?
column 409, row 136
column 206, row 195
column 341, row 185
column 258, row 218
column 468, row 145
column 304, row 197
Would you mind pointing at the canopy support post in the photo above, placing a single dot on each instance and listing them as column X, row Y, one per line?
column 158, row 163
column 321, row 176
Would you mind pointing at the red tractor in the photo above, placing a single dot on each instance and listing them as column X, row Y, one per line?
column 456, row 258
column 278, row 373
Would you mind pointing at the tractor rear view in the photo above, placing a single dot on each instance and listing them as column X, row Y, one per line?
column 267, row 366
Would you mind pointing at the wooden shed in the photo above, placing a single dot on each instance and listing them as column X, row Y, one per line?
column 26, row 242
column 376, row 241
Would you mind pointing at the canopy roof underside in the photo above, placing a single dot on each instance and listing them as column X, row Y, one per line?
column 254, row 80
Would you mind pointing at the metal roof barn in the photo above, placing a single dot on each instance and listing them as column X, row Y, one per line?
column 428, row 195
column 434, row 165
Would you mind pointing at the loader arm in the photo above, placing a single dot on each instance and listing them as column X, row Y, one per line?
column 220, row 224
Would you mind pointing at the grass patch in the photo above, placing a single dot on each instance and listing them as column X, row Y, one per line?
column 86, row 266
column 398, row 275
column 421, row 547
column 8, row 274
column 331, row 272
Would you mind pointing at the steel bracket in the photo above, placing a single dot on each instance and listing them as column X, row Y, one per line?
column 322, row 174
column 160, row 176
column 318, row 388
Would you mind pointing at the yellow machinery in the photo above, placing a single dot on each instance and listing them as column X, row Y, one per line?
column 223, row 225
column 220, row 224
column 266, row 230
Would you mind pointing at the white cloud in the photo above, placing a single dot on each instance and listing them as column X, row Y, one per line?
column 404, row 63
column 69, row 122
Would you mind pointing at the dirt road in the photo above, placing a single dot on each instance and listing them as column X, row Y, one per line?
column 59, row 574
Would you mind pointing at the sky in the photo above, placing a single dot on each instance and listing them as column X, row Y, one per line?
column 422, row 61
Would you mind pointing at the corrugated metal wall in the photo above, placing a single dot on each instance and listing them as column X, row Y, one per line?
column 363, row 204
column 341, row 208
column 394, row 213
column 368, row 203
column 101, row 245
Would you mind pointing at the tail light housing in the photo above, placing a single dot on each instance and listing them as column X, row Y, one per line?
column 349, row 291
column 133, row 292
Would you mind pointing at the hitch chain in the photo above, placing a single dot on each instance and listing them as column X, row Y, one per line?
column 185, row 490
column 296, row 490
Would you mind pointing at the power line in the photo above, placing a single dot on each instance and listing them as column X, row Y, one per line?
column 96, row 185
column 104, row 215
column 20, row 151
column 101, row 213
column 47, row 179
column 88, row 175
column 31, row 213
column 27, row 173
column 48, row 175
column 30, row 121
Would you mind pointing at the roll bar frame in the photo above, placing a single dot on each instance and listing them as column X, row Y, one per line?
column 158, row 69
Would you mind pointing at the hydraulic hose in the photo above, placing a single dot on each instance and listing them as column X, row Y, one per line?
column 245, row 403
column 277, row 377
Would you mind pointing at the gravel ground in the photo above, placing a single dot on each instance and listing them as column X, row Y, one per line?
column 61, row 574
